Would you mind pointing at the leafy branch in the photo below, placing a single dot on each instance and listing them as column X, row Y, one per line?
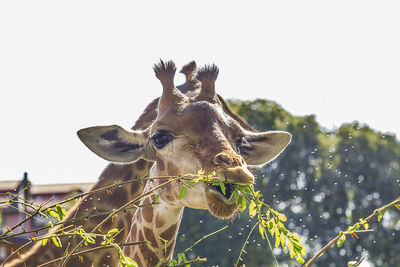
column 268, row 221
column 56, row 213
column 352, row 230
column 43, row 209
column 95, row 249
column 137, row 199
column 243, row 194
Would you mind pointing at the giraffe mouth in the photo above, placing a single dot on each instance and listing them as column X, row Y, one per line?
column 229, row 188
column 221, row 205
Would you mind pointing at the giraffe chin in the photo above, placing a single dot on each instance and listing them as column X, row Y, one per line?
column 219, row 205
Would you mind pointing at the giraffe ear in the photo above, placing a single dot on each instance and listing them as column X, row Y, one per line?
column 115, row 144
column 260, row 148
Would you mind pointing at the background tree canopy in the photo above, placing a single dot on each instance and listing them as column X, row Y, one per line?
column 323, row 182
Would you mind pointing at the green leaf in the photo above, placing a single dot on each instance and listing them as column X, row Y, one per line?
column 156, row 199
column 252, row 209
column 353, row 228
column 341, row 240
column 123, row 260
column 296, row 236
column 112, row 232
column 261, row 229
column 52, row 213
column 245, row 189
column 47, row 211
column 299, row 258
column 297, row 246
column 271, row 225
column 237, row 196
column 128, row 262
column 181, row 258
column 242, row 204
column 276, row 231
column 172, row 262
column 44, row 242
column 281, row 226
column 182, row 193
column 380, row 215
column 193, row 182
column 56, row 241
column 283, row 241
column 281, row 217
column 89, row 239
column 268, row 214
column 263, row 223
column 277, row 237
column 291, row 250
column 60, row 212
column 223, row 188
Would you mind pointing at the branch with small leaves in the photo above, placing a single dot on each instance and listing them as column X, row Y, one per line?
column 56, row 214
column 127, row 261
column 270, row 220
column 43, row 209
column 353, row 230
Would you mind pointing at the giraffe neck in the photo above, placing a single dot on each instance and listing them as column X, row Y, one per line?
column 158, row 224
column 94, row 205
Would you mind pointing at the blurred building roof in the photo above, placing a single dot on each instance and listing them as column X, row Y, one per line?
column 59, row 188
column 9, row 185
column 36, row 192
column 12, row 185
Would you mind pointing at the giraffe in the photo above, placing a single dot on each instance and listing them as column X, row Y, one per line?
column 103, row 201
column 189, row 133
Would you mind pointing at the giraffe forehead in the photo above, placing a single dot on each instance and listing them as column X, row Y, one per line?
column 198, row 118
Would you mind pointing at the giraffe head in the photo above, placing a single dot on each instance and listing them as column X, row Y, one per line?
column 191, row 133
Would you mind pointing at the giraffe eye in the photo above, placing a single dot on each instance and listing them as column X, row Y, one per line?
column 160, row 139
column 240, row 141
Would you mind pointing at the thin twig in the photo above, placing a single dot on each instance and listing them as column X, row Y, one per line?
column 72, row 220
column 334, row 240
column 197, row 260
column 37, row 211
column 244, row 244
column 204, row 237
column 27, row 244
column 24, row 212
column 93, row 249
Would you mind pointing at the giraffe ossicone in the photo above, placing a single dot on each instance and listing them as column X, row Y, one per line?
column 190, row 132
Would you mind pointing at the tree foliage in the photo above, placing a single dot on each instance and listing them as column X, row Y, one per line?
column 323, row 182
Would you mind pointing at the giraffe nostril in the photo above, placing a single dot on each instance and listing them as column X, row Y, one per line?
column 223, row 159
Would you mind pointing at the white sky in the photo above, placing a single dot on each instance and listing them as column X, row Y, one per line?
column 66, row 65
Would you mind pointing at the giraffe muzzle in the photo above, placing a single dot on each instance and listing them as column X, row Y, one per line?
column 236, row 175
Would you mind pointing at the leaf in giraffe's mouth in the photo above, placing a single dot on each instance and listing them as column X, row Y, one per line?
column 228, row 190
